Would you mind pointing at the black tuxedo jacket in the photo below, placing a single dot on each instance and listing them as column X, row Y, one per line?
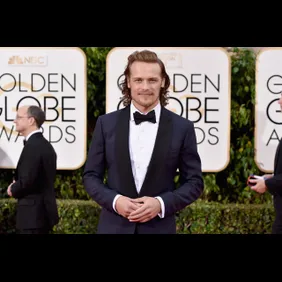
column 34, row 186
column 175, row 148
column 274, row 186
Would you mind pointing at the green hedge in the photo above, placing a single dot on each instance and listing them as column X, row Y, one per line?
column 81, row 217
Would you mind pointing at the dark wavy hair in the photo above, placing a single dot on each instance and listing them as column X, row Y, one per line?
column 147, row 57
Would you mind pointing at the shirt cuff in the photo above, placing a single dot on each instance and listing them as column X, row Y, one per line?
column 114, row 202
column 162, row 213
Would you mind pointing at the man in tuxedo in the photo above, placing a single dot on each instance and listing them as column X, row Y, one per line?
column 273, row 184
column 141, row 147
column 33, row 185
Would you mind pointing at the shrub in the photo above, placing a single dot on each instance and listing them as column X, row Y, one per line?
column 81, row 217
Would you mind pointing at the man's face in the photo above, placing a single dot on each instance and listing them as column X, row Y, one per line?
column 22, row 120
column 145, row 83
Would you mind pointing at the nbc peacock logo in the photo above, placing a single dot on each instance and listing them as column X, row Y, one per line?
column 17, row 60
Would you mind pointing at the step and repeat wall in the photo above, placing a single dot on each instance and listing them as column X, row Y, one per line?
column 200, row 91
column 56, row 80
column 268, row 118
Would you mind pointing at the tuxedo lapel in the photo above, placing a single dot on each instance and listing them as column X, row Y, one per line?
column 163, row 140
column 35, row 135
column 127, row 184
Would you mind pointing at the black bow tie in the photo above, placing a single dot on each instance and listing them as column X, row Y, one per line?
column 138, row 118
column 24, row 142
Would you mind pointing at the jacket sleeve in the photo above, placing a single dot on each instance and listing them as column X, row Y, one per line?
column 191, row 182
column 94, row 171
column 26, row 181
column 274, row 184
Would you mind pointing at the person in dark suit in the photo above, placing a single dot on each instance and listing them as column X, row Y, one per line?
column 273, row 184
column 141, row 147
column 33, row 186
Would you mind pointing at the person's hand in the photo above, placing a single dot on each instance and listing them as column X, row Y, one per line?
column 259, row 186
column 9, row 192
column 124, row 206
column 150, row 208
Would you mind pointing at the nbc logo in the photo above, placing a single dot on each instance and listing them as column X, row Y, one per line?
column 27, row 60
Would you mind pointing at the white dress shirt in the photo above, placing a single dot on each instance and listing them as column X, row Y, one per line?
column 141, row 144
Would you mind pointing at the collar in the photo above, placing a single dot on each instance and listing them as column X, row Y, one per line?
column 28, row 136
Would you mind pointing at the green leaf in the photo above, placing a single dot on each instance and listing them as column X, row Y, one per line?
column 235, row 70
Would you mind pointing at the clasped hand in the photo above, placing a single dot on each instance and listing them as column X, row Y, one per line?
column 138, row 210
